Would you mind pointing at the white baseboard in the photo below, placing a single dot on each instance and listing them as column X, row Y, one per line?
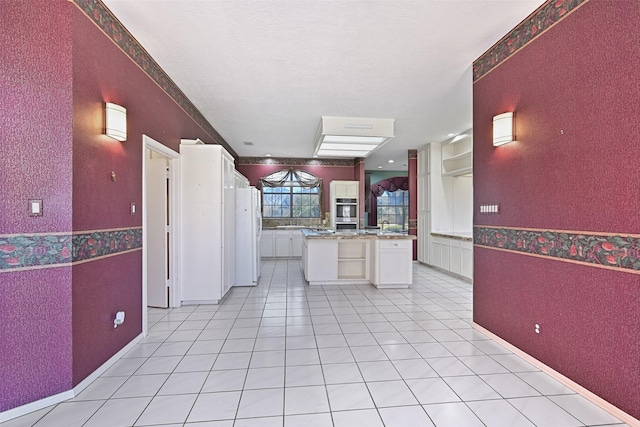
column 69, row 394
column 590, row 396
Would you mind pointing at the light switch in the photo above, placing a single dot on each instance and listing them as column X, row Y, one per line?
column 35, row 207
column 133, row 208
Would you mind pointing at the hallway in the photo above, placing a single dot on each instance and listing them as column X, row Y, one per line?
column 284, row 354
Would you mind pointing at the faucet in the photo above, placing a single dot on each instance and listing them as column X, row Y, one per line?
column 383, row 224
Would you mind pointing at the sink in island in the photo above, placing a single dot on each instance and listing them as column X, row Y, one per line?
column 383, row 259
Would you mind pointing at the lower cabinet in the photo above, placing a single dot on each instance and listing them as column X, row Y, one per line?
column 393, row 263
column 281, row 244
column 384, row 263
column 453, row 255
column 466, row 249
column 267, row 244
column 321, row 260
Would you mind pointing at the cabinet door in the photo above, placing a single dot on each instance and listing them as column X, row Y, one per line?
column 322, row 260
column 352, row 190
column 267, row 248
column 423, row 237
column 467, row 260
column 394, row 262
column 228, row 224
column 283, row 243
column 455, row 260
column 436, row 252
column 444, row 251
column 296, row 243
column 340, row 190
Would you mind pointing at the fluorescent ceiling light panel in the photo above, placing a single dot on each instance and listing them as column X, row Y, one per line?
column 353, row 139
column 357, row 147
column 351, row 136
column 341, row 153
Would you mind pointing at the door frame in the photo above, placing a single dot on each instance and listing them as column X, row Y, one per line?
column 174, row 220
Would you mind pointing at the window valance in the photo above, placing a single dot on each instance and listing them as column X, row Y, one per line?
column 390, row 184
column 290, row 178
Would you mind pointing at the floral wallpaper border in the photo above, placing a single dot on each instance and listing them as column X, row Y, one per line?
column 603, row 250
column 101, row 243
column 28, row 251
column 549, row 14
column 294, row 161
column 114, row 29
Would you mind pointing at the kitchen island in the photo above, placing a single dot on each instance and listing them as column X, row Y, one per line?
column 382, row 259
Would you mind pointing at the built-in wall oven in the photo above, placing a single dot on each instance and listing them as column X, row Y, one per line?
column 346, row 215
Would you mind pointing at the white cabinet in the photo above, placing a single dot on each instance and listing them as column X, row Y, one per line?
column 267, row 243
column 296, row 243
column 281, row 244
column 436, row 252
column 321, row 260
column 384, row 263
column 345, row 189
column 240, row 180
column 393, row 263
column 207, row 229
column 466, row 269
column 344, row 197
column 457, row 155
column 453, row 255
column 353, row 256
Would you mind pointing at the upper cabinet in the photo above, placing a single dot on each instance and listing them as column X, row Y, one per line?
column 457, row 155
column 344, row 189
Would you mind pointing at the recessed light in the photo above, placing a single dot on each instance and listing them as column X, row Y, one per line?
column 380, row 167
column 449, row 135
column 390, row 161
column 268, row 155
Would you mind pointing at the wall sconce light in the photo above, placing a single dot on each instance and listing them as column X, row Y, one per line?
column 115, row 121
column 503, row 129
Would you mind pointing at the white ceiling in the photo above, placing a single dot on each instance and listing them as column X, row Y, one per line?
column 266, row 71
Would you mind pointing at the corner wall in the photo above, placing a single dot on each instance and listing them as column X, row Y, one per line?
column 564, row 252
column 35, row 163
column 64, row 275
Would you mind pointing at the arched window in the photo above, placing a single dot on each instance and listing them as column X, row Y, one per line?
column 290, row 193
column 390, row 202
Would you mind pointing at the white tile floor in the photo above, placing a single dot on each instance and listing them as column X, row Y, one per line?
column 285, row 354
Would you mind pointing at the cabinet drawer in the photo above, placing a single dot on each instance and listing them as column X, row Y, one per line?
column 395, row 244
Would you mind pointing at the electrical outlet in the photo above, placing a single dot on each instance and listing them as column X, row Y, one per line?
column 537, row 328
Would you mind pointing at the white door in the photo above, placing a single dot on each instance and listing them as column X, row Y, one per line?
column 157, row 229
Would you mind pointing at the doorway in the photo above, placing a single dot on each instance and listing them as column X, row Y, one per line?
column 160, row 188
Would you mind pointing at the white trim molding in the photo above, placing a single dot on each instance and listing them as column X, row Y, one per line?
column 590, row 396
column 69, row 394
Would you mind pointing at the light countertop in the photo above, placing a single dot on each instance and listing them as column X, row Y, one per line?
column 355, row 234
column 467, row 237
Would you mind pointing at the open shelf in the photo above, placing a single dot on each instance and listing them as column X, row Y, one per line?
column 457, row 156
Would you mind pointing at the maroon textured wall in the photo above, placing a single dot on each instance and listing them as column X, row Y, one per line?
column 35, row 124
column 35, row 162
column 327, row 173
column 102, row 72
column 575, row 94
column 56, row 72
column 35, row 338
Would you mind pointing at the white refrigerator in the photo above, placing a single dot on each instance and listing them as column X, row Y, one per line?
column 248, row 223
